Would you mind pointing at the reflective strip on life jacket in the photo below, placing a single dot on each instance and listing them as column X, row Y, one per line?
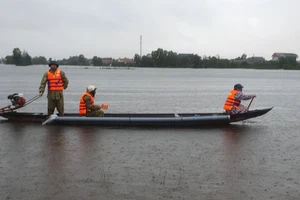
column 231, row 101
column 82, row 106
column 55, row 81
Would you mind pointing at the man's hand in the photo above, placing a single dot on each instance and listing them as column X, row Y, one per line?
column 41, row 93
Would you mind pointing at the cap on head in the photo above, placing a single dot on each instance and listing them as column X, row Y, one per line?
column 53, row 63
column 91, row 88
column 238, row 86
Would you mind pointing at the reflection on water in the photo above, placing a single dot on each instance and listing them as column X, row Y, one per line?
column 89, row 139
column 233, row 152
column 61, row 162
column 55, row 149
column 234, row 133
column 17, row 133
column 55, row 136
column 88, row 135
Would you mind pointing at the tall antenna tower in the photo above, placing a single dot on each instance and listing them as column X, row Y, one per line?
column 141, row 41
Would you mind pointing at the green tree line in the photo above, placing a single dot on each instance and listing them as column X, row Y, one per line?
column 158, row 58
column 20, row 58
column 164, row 58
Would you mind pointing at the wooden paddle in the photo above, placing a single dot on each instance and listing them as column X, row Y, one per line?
column 250, row 103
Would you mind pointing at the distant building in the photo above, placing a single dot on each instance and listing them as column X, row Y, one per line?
column 107, row 61
column 276, row 56
column 126, row 60
column 255, row 59
column 239, row 62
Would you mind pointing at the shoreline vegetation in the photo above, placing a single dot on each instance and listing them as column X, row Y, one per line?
column 159, row 58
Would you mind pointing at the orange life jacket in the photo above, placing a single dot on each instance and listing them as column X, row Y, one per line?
column 55, row 81
column 231, row 101
column 82, row 106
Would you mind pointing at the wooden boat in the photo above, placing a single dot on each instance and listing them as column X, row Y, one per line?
column 138, row 119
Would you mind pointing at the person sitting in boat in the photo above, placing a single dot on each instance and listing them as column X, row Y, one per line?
column 86, row 104
column 233, row 102
column 17, row 100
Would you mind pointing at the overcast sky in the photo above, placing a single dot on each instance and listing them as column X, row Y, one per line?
column 112, row 28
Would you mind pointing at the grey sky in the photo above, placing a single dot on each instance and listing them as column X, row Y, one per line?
column 111, row 28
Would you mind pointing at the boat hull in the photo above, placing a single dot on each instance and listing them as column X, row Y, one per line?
column 142, row 119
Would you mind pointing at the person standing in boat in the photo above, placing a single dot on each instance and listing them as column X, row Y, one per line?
column 233, row 102
column 57, row 82
column 86, row 104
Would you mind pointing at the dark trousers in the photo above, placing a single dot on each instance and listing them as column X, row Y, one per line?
column 95, row 113
column 58, row 104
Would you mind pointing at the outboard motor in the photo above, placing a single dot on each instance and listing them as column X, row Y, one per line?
column 17, row 99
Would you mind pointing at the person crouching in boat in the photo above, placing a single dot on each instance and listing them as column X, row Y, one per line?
column 86, row 104
column 233, row 102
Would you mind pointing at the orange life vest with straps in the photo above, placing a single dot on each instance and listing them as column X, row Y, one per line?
column 82, row 106
column 55, row 82
column 231, row 101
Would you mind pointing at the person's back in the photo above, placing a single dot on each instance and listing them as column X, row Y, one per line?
column 233, row 104
column 87, row 105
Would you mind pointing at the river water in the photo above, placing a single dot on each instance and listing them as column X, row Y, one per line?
column 255, row 159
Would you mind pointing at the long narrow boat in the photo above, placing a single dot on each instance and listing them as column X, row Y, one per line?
column 139, row 119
